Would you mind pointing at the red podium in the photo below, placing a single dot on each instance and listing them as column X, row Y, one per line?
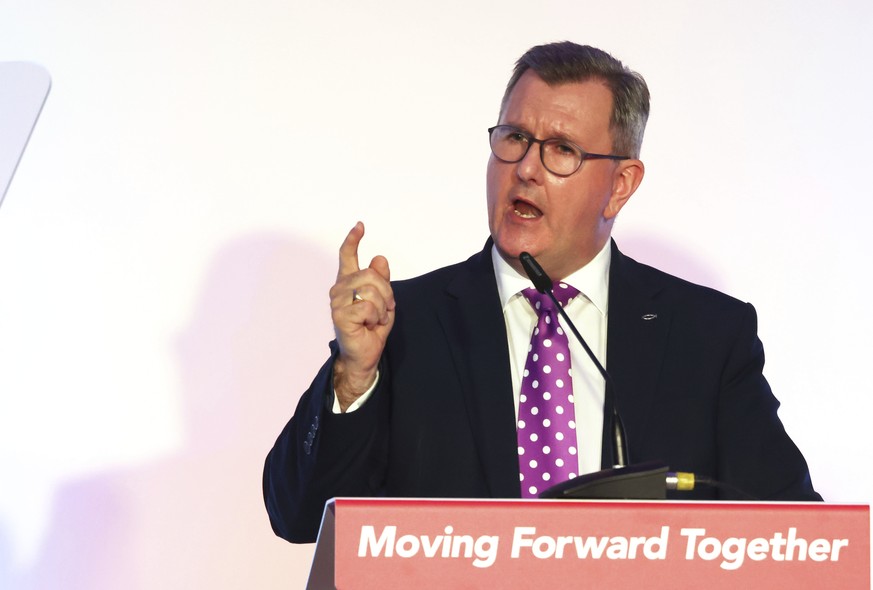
column 507, row 544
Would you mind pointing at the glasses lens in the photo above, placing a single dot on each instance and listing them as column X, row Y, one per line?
column 561, row 157
column 508, row 143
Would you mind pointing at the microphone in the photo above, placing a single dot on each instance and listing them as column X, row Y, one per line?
column 543, row 284
column 643, row 481
column 648, row 481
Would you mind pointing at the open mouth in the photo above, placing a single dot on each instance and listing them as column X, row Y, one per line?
column 525, row 210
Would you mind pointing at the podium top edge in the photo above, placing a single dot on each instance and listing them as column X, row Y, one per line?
column 563, row 502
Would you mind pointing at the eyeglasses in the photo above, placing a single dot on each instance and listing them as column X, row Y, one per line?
column 560, row 157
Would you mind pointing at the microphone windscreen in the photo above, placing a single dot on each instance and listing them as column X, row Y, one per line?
column 535, row 273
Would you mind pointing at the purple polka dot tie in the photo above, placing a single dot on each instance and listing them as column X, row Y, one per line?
column 546, row 414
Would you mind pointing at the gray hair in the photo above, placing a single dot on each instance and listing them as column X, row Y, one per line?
column 560, row 63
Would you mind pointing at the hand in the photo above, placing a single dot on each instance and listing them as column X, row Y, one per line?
column 361, row 324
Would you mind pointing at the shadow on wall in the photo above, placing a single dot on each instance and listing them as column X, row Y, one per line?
column 195, row 518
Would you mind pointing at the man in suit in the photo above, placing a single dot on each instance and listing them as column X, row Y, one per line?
column 421, row 395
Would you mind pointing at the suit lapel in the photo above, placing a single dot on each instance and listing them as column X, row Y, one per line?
column 636, row 342
column 474, row 326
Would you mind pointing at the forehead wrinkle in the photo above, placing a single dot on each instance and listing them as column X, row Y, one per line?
column 549, row 111
column 556, row 131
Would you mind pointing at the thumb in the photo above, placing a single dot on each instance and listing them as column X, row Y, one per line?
column 380, row 265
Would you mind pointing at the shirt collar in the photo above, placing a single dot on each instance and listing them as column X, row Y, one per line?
column 592, row 280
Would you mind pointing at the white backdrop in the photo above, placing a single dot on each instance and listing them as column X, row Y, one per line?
column 167, row 244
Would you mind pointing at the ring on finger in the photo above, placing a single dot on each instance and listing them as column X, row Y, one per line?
column 356, row 297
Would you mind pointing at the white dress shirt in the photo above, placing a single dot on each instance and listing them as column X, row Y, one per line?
column 589, row 312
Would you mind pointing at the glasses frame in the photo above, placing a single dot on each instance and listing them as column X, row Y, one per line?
column 532, row 140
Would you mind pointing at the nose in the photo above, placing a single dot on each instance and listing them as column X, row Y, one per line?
column 530, row 168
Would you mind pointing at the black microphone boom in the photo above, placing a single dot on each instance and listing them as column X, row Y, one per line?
column 644, row 481
column 543, row 284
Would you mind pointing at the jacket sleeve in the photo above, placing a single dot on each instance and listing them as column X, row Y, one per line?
column 756, row 455
column 320, row 455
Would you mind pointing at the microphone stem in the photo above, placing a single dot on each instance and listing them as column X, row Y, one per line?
column 619, row 437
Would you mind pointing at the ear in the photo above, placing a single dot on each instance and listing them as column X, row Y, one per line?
column 628, row 176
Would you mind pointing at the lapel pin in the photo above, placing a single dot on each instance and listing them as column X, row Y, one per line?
column 649, row 316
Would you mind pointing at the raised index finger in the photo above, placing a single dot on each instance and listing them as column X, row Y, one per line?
column 348, row 252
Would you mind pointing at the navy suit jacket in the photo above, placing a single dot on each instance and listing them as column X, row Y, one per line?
column 441, row 422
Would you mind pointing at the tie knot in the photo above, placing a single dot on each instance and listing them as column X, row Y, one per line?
column 541, row 301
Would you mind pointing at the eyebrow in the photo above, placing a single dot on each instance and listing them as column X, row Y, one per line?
column 561, row 136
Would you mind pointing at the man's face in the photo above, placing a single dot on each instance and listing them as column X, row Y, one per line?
column 562, row 221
